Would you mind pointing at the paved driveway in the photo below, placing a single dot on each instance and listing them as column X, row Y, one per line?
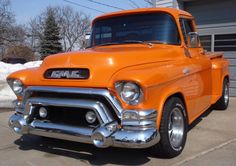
column 211, row 141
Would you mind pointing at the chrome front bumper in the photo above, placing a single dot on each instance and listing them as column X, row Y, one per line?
column 141, row 133
column 105, row 138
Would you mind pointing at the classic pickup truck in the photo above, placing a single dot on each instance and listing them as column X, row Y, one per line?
column 143, row 78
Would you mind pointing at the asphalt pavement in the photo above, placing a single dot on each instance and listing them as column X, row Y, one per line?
column 211, row 141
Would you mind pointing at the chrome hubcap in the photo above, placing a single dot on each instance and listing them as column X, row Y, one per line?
column 226, row 93
column 176, row 128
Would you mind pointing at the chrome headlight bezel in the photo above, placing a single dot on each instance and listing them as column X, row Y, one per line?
column 130, row 92
column 17, row 86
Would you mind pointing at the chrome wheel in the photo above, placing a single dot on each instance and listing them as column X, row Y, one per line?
column 176, row 128
column 226, row 93
column 173, row 127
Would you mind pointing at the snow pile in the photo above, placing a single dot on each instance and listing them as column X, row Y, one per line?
column 6, row 94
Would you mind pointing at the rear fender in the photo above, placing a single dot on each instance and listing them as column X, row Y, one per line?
column 220, row 71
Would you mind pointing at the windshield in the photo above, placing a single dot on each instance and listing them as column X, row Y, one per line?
column 154, row 27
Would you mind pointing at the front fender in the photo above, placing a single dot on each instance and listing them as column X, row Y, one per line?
column 24, row 75
column 146, row 75
column 158, row 81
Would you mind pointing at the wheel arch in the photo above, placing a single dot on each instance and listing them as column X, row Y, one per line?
column 179, row 95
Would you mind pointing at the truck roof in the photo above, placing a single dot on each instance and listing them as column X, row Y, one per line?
column 172, row 11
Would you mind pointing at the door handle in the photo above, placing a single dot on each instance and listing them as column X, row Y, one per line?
column 186, row 71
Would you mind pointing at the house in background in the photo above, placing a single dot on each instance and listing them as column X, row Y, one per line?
column 216, row 22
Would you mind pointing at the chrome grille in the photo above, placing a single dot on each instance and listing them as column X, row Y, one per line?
column 73, row 94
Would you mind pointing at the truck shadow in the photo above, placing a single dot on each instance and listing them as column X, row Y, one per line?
column 89, row 154
column 200, row 118
column 84, row 152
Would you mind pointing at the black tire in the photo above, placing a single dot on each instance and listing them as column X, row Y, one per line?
column 165, row 146
column 223, row 102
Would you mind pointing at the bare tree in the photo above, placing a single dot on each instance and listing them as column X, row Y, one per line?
column 16, row 35
column 11, row 34
column 150, row 2
column 73, row 27
column 6, row 19
column 34, row 33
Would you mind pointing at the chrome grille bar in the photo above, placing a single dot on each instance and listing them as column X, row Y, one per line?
column 89, row 91
column 102, row 113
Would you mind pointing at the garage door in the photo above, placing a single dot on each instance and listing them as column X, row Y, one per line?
column 216, row 21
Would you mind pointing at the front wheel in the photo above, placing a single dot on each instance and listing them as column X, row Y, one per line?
column 173, row 128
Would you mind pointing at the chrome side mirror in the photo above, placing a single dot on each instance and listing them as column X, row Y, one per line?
column 86, row 40
column 87, row 36
column 193, row 40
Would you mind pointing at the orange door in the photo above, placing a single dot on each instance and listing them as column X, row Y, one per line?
column 200, row 72
column 201, row 80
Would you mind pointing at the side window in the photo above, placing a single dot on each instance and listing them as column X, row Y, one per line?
column 186, row 26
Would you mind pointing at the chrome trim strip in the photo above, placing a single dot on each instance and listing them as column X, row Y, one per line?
column 148, row 114
column 139, row 125
column 90, row 91
column 146, row 119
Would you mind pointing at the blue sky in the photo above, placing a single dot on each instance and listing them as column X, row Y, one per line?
column 24, row 10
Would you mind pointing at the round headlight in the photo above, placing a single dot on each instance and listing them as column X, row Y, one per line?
column 129, row 92
column 17, row 86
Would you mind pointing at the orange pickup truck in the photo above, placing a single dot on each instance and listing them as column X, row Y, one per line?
column 142, row 80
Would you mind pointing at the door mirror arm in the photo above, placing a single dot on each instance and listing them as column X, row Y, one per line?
column 186, row 51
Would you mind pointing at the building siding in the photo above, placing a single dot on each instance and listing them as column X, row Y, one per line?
column 168, row 3
column 212, row 11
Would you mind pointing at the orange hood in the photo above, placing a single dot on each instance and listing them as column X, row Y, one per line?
column 103, row 63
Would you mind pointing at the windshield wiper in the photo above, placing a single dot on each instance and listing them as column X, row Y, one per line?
column 144, row 42
column 156, row 42
column 107, row 44
column 149, row 43
column 133, row 41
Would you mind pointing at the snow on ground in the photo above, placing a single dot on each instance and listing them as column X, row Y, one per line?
column 6, row 94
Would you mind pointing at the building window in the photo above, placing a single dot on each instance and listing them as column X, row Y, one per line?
column 226, row 42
